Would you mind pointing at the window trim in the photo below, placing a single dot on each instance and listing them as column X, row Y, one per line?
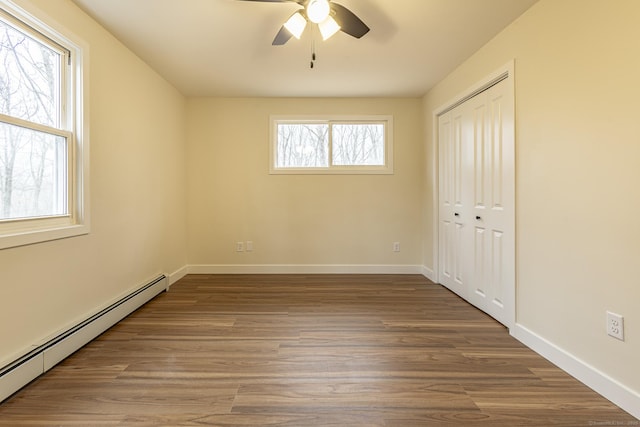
column 75, row 83
column 386, row 169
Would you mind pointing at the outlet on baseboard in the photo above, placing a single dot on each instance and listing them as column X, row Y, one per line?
column 239, row 246
column 615, row 325
column 396, row 246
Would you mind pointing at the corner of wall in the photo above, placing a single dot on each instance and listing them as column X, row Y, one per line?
column 177, row 275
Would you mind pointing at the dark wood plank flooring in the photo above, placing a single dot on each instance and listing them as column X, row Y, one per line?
column 318, row 350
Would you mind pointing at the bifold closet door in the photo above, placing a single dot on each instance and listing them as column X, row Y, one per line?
column 452, row 227
column 477, row 215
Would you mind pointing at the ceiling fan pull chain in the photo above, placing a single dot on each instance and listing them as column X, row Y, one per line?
column 313, row 51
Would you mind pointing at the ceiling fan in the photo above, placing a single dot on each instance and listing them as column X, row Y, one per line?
column 330, row 17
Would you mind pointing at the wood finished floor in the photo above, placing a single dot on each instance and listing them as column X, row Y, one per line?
column 394, row 351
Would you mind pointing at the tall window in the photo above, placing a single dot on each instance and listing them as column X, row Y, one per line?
column 340, row 145
column 42, row 166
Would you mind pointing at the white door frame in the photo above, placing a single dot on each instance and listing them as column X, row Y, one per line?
column 509, row 70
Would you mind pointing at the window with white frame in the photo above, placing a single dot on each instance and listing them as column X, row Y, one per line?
column 43, row 151
column 333, row 145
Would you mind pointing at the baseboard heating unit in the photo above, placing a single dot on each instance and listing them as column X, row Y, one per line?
column 42, row 358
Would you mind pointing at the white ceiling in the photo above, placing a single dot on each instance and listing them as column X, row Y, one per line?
column 223, row 47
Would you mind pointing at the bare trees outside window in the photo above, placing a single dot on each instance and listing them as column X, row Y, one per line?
column 303, row 145
column 33, row 150
column 358, row 144
column 332, row 146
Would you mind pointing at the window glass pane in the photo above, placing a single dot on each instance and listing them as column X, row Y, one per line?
column 33, row 173
column 302, row 146
column 358, row 144
column 29, row 78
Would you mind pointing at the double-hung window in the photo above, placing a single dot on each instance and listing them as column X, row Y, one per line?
column 332, row 145
column 43, row 152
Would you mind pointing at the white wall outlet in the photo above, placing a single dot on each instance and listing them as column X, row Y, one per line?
column 615, row 325
column 239, row 246
column 396, row 246
column 249, row 246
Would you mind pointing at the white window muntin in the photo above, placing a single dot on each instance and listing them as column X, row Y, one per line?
column 385, row 120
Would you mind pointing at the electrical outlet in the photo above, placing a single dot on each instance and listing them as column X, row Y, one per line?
column 396, row 246
column 239, row 246
column 615, row 325
column 249, row 246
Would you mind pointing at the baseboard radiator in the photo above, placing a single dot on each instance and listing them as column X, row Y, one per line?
column 42, row 358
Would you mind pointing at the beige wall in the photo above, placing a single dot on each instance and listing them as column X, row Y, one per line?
column 578, row 170
column 138, row 176
column 298, row 219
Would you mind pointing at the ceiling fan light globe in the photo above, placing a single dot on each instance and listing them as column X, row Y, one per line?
column 318, row 10
column 296, row 24
column 328, row 27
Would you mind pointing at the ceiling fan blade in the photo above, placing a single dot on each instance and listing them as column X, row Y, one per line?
column 348, row 21
column 282, row 37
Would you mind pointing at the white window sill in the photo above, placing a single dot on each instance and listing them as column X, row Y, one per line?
column 39, row 236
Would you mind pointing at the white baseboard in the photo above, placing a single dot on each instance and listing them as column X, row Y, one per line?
column 304, row 269
column 611, row 389
column 177, row 275
column 429, row 273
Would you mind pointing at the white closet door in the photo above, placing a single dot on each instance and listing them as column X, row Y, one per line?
column 482, row 217
column 452, row 228
column 493, row 281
